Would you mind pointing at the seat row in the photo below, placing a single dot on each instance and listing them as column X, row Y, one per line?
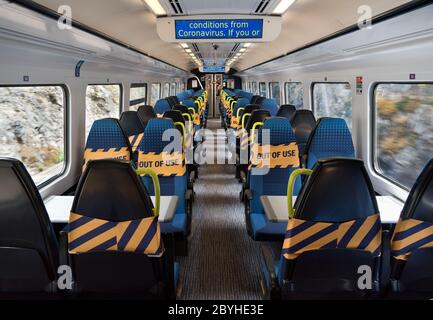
column 334, row 245
column 112, row 247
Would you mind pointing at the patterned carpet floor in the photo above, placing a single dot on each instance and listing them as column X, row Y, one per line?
column 223, row 262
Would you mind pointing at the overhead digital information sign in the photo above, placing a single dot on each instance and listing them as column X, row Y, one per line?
column 214, row 69
column 219, row 29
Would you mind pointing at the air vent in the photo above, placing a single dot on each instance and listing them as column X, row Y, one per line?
column 194, row 46
column 176, row 6
column 262, row 6
column 236, row 46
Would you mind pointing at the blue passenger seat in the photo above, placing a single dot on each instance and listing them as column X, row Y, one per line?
column 330, row 138
column 162, row 106
column 335, row 229
column 412, row 242
column 28, row 246
column 270, row 177
column 172, row 176
column 114, row 241
column 106, row 140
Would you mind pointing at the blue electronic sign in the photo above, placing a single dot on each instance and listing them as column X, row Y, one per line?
column 214, row 69
column 219, row 29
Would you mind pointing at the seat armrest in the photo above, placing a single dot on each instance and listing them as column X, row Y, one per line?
column 63, row 246
column 192, row 176
column 189, row 195
column 243, row 177
column 248, row 194
column 169, row 258
column 270, row 258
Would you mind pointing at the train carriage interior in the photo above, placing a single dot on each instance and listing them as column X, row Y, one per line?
column 216, row 150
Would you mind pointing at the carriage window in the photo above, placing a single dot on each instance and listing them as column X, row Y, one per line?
column 166, row 90
column 294, row 93
column 102, row 101
column 173, row 89
column 32, row 129
column 155, row 93
column 263, row 90
column 138, row 95
column 333, row 100
column 403, row 130
column 274, row 91
column 254, row 87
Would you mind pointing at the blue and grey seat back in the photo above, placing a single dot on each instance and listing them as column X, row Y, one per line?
column 336, row 229
column 114, row 236
column 270, row 105
column 162, row 106
column 273, row 158
column 303, row 123
column 412, row 241
column 286, row 111
column 168, row 164
column 133, row 129
column 106, row 140
column 145, row 113
column 330, row 138
column 28, row 245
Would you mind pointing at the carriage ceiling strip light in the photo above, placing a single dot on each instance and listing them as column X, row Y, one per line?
column 283, row 6
column 156, row 7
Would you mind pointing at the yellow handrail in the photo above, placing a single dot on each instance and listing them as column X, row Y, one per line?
column 156, row 187
column 291, row 186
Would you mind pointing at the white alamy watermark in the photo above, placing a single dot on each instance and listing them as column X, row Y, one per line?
column 365, row 13
column 218, row 147
column 65, row 20
column 365, row 280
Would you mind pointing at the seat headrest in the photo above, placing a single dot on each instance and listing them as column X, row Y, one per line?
column 24, row 221
column 130, row 123
column 255, row 99
column 280, row 131
column 182, row 108
column 173, row 100
column 419, row 204
column 162, row 106
column 303, row 117
column 241, row 103
column 270, row 105
column 111, row 190
column 174, row 115
column 250, row 108
column 145, row 113
column 186, row 103
column 107, row 134
column 286, row 111
column 339, row 190
column 257, row 116
column 330, row 138
column 153, row 135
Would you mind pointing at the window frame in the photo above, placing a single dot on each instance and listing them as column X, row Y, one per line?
column 110, row 84
column 266, row 87
column 141, row 100
column 160, row 91
column 66, row 127
column 255, row 92
column 313, row 107
column 172, row 87
column 285, row 91
column 270, row 91
column 373, row 127
column 168, row 89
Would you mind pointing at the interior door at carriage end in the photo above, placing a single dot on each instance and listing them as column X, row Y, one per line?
column 209, row 82
column 218, row 82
